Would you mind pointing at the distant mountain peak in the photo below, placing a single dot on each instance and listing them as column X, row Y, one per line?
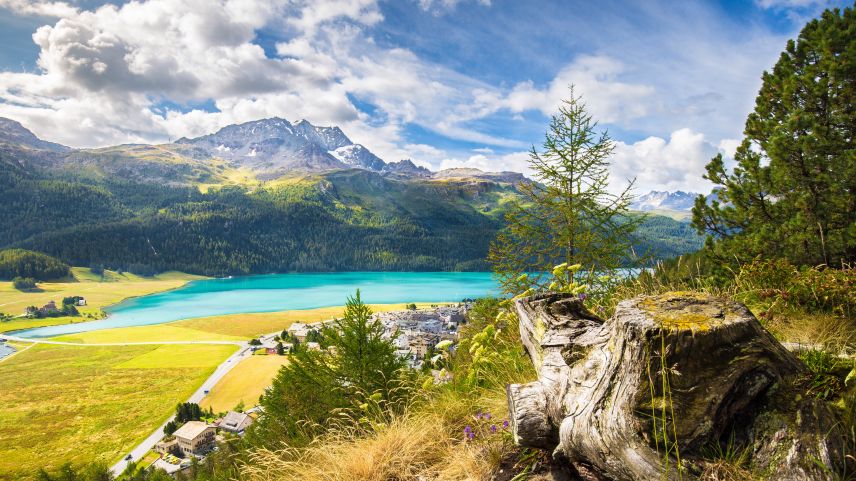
column 406, row 168
column 274, row 146
column 13, row 132
column 270, row 147
column 665, row 200
column 473, row 173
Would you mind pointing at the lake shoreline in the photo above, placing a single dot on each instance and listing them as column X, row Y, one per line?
column 277, row 293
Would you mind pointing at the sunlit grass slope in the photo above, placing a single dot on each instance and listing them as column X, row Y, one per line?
column 244, row 384
column 80, row 404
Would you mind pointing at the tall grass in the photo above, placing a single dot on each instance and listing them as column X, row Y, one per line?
column 452, row 431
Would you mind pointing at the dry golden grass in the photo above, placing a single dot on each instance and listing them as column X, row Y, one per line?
column 254, row 324
column 245, row 383
column 833, row 333
column 425, row 444
column 151, row 333
column 725, row 471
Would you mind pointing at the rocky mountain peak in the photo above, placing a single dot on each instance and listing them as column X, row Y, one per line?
column 406, row 168
column 12, row 132
column 665, row 200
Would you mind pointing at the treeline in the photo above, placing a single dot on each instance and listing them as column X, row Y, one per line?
column 20, row 263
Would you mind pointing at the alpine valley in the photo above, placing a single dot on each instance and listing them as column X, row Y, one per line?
column 263, row 196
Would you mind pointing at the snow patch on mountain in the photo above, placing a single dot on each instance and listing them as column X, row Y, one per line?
column 664, row 200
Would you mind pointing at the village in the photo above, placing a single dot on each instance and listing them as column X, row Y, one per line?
column 415, row 333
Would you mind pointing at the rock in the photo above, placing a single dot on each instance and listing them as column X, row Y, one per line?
column 642, row 395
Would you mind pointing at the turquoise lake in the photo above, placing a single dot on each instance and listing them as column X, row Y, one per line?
column 281, row 292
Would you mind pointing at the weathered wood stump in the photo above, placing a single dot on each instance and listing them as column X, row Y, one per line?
column 643, row 395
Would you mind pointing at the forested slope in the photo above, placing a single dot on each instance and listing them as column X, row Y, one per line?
column 347, row 219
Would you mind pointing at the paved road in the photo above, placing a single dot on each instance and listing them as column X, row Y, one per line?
column 149, row 443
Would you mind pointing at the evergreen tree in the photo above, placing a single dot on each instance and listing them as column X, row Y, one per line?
column 568, row 216
column 365, row 360
column 316, row 385
column 792, row 192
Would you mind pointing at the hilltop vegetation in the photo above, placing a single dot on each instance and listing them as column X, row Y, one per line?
column 28, row 264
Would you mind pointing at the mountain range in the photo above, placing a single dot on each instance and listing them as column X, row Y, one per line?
column 661, row 200
column 265, row 149
column 262, row 196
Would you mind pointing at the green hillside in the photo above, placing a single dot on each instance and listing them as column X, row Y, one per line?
column 104, row 214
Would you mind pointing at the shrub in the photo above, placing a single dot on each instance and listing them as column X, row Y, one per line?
column 780, row 283
column 24, row 283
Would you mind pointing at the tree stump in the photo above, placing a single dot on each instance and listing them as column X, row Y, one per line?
column 643, row 395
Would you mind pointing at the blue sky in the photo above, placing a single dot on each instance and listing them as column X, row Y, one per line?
column 448, row 83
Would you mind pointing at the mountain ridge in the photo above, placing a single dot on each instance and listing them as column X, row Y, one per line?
column 665, row 200
column 270, row 148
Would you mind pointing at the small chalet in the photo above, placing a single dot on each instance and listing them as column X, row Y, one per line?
column 236, row 423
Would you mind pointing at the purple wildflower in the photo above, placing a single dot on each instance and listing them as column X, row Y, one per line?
column 487, row 416
column 493, row 428
column 468, row 432
column 583, row 296
column 505, row 424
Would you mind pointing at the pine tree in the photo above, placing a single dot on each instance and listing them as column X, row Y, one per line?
column 568, row 215
column 792, row 192
column 365, row 359
column 315, row 385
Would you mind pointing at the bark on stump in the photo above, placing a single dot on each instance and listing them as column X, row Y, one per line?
column 666, row 377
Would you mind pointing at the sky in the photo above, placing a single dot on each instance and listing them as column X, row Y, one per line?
column 446, row 83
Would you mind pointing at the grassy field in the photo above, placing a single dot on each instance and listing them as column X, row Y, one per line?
column 99, row 293
column 245, row 383
column 250, row 325
column 153, row 333
column 79, row 404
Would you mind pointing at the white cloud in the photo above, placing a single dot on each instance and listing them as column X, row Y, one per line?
column 596, row 78
column 105, row 73
column 729, row 146
column 39, row 8
column 111, row 59
column 659, row 164
column 515, row 161
column 438, row 6
column 312, row 14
